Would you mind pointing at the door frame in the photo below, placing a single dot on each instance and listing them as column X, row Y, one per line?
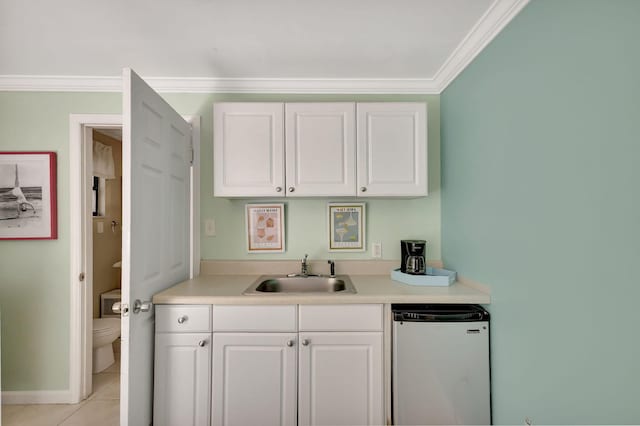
column 81, row 250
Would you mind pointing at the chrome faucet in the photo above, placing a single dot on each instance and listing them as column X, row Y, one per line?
column 304, row 267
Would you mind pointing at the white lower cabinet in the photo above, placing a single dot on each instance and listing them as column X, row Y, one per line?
column 340, row 379
column 182, row 379
column 254, row 379
column 182, row 369
column 269, row 365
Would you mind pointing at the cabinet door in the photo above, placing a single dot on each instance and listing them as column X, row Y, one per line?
column 392, row 149
column 320, row 149
column 254, row 379
column 182, row 379
column 248, row 149
column 340, row 379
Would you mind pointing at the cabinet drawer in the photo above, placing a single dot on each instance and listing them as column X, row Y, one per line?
column 254, row 318
column 183, row 318
column 341, row 317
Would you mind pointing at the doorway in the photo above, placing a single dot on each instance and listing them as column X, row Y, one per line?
column 106, row 260
column 81, row 225
column 84, row 301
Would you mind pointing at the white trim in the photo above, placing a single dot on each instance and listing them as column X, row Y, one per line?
column 59, row 83
column 194, row 121
column 41, row 83
column 36, row 397
column 499, row 14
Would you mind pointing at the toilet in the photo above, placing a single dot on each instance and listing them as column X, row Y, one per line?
column 105, row 331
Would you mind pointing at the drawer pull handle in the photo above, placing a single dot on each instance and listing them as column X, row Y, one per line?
column 182, row 319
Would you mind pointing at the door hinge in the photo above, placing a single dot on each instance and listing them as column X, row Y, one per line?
column 192, row 153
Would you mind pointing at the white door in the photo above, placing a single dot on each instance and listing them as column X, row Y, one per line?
column 392, row 149
column 340, row 379
column 155, row 230
column 320, row 149
column 254, row 379
column 248, row 149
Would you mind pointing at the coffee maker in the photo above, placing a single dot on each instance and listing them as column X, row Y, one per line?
column 413, row 257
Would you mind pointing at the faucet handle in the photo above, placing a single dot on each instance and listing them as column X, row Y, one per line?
column 332, row 267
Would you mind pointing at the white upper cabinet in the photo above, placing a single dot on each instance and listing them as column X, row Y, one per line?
column 392, row 149
column 320, row 149
column 248, row 149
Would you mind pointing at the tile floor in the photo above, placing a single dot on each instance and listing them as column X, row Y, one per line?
column 102, row 408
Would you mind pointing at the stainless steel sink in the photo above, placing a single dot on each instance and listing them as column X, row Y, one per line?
column 270, row 284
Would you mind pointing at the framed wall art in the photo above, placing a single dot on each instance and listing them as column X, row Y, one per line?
column 346, row 226
column 28, row 209
column 265, row 228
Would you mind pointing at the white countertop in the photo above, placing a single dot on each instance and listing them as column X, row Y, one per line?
column 223, row 289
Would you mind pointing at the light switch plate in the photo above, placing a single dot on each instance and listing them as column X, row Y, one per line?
column 376, row 250
column 210, row 227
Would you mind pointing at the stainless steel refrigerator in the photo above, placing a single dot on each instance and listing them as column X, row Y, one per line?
column 440, row 361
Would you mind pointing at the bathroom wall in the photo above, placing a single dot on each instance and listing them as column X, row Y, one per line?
column 107, row 245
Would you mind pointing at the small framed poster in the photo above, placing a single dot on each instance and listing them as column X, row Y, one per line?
column 28, row 209
column 265, row 228
column 346, row 226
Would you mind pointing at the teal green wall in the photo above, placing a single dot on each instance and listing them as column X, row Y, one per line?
column 35, row 279
column 541, row 201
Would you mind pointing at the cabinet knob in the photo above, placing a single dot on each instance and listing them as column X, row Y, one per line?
column 278, row 189
column 363, row 189
column 291, row 189
column 202, row 343
column 182, row 319
column 305, row 342
column 289, row 343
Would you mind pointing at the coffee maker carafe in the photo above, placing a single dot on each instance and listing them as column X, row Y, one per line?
column 413, row 257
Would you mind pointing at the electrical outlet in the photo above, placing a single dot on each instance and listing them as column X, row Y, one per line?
column 376, row 250
column 210, row 227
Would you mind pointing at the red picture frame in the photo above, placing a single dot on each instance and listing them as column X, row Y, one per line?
column 28, row 197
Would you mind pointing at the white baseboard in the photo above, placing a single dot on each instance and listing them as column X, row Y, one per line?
column 36, row 397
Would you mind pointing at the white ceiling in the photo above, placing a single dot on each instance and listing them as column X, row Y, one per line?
column 418, row 45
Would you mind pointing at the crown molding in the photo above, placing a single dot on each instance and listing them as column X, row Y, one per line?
column 59, row 83
column 39, row 83
column 499, row 14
